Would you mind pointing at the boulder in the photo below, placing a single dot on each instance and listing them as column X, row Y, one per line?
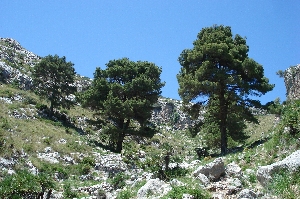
column 233, row 170
column 290, row 163
column 154, row 187
column 203, row 179
column 213, row 170
column 247, row 193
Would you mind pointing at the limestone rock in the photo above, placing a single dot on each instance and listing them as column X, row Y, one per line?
column 233, row 170
column 203, row 179
column 152, row 188
column 213, row 170
column 247, row 193
column 291, row 163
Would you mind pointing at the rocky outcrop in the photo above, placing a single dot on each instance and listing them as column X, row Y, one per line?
column 292, row 82
column 15, row 63
column 290, row 163
column 12, row 52
column 154, row 188
column 213, row 170
column 168, row 113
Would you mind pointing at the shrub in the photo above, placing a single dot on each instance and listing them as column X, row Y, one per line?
column 84, row 169
column 24, row 184
column 285, row 184
column 125, row 194
column 4, row 124
column 68, row 192
column 175, row 172
column 40, row 106
column 89, row 161
column 51, row 169
column 177, row 193
column 291, row 116
column 118, row 181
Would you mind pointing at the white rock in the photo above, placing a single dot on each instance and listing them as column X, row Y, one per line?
column 291, row 163
column 154, row 187
column 233, row 170
column 212, row 170
column 187, row 196
column 203, row 179
column 246, row 193
column 176, row 182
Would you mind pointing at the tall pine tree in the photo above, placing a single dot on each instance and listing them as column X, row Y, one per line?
column 218, row 73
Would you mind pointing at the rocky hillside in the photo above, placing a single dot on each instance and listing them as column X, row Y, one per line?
column 16, row 64
column 72, row 152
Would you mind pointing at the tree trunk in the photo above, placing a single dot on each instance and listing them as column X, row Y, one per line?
column 223, row 138
column 121, row 137
column 119, row 146
column 223, row 122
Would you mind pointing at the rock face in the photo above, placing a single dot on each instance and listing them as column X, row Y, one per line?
column 167, row 112
column 290, row 163
column 292, row 82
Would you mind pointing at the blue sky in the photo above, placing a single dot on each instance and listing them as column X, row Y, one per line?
column 92, row 32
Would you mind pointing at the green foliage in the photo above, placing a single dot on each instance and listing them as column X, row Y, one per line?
column 53, row 79
column 2, row 139
column 274, row 107
column 217, row 72
column 177, row 193
column 118, row 180
column 175, row 172
column 40, row 106
column 68, row 192
column 6, row 93
column 291, row 116
column 23, row 184
column 123, row 95
column 4, row 124
column 51, row 169
column 125, row 194
column 285, row 184
column 88, row 160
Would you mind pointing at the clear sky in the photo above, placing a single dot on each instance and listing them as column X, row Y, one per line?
column 92, row 32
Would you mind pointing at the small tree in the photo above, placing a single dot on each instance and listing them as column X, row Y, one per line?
column 217, row 72
column 124, row 94
column 53, row 79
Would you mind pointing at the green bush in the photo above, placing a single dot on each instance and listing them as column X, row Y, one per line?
column 177, row 193
column 2, row 139
column 84, row 169
column 41, row 106
column 285, row 184
column 88, row 161
column 118, row 181
column 125, row 194
column 68, row 192
column 51, row 169
column 4, row 124
column 30, row 100
column 291, row 116
column 24, row 184
column 175, row 172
